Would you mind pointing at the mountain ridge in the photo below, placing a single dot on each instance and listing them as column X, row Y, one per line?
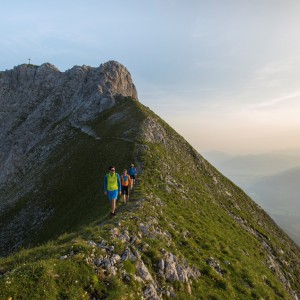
column 187, row 232
column 39, row 103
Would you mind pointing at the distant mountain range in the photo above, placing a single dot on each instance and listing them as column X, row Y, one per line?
column 187, row 231
column 245, row 170
column 280, row 195
column 277, row 188
column 271, row 179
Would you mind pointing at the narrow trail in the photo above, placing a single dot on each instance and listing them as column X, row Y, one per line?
column 90, row 132
column 120, row 208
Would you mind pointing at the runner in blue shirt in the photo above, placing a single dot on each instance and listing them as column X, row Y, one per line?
column 132, row 173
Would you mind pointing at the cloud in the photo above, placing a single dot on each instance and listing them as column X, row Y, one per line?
column 276, row 101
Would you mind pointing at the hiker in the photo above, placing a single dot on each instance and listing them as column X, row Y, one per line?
column 112, row 188
column 132, row 173
column 126, row 185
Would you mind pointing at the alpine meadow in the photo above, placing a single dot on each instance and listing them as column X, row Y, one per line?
column 187, row 231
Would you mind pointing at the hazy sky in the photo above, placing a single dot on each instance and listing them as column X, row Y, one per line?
column 225, row 74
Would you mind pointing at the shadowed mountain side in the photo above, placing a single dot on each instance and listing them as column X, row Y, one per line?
column 44, row 129
column 39, row 103
column 69, row 184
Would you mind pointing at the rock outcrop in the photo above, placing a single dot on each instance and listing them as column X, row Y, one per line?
column 38, row 104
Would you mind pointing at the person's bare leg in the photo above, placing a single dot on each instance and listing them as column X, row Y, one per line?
column 113, row 205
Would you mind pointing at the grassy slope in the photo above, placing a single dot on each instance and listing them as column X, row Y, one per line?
column 213, row 233
column 205, row 197
column 196, row 201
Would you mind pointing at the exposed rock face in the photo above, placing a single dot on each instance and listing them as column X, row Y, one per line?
column 39, row 102
column 156, row 279
column 39, row 108
column 153, row 131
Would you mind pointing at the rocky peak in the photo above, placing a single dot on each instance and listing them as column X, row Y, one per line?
column 117, row 73
column 26, row 73
column 34, row 99
column 44, row 86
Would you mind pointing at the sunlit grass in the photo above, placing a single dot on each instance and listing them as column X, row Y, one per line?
column 196, row 201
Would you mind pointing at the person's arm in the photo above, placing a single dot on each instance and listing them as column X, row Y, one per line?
column 105, row 185
column 119, row 183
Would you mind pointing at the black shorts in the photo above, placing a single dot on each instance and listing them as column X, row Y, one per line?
column 124, row 190
column 132, row 177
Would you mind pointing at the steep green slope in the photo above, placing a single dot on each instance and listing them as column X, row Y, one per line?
column 188, row 232
column 257, row 259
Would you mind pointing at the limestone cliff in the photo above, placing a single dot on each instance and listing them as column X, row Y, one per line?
column 38, row 103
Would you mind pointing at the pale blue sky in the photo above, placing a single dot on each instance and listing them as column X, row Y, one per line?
column 225, row 74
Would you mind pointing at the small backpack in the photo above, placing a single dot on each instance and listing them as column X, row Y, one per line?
column 125, row 180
